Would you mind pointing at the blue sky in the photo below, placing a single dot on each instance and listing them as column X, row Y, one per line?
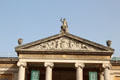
column 95, row 20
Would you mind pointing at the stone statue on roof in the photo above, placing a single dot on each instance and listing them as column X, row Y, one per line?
column 64, row 27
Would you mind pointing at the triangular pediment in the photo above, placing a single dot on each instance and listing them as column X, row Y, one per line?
column 63, row 42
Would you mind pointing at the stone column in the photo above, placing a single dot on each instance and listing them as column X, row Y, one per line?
column 106, row 71
column 79, row 71
column 49, row 67
column 21, row 74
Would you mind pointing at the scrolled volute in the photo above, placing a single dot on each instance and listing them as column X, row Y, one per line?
column 49, row 64
column 24, row 64
column 81, row 65
column 106, row 65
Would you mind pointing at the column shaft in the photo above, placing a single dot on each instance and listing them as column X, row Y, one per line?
column 48, row 73
column 79, row 74
column 79, row 71
column 21, row 75
column 107, row 67
column 48, row 66
column 106, row 74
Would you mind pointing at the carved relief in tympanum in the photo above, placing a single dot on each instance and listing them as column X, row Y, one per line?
column 62, row 43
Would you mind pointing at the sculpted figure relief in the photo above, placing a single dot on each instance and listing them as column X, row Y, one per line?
column 63, row 44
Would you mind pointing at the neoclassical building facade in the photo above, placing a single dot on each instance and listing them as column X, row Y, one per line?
column 63, row 56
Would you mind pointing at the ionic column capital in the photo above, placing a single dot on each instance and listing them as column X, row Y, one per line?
column 106, row 65
column 48, row 64
column 24, row 64
column 81, row 65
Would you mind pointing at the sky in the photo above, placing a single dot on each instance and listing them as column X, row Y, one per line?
column 31, row 20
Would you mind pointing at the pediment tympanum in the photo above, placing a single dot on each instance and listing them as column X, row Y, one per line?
column 62, row 43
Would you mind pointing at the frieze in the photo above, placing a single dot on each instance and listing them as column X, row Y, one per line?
column 62, row 43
